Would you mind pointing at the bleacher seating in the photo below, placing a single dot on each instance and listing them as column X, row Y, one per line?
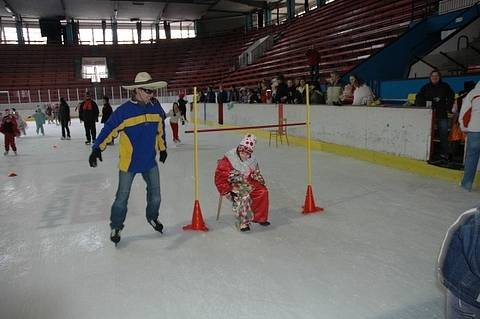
column 345, row 33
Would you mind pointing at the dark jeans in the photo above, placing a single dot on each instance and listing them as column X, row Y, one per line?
column 125, row 180
column 471, row 159
column 457, row 309
column 90, row 130
column 442, row 127
column 65, row 128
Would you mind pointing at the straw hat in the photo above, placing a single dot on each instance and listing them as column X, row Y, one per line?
column 144, row 80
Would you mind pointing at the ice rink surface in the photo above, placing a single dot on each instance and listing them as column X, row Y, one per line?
column 371, row 254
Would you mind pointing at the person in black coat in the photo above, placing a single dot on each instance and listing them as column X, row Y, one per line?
column 439, row 96
column 182, row 105
column 282, row 90
column 106, row 112
column 88, row 113
column 64, row 117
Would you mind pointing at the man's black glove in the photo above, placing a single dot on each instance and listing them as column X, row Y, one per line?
column 96, row 153
column 163, row 156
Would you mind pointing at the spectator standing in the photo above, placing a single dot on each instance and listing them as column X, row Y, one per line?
column 88, row 113
column 334, row 89
column 281, row 93
column 64, row 117
column 313, row 57
column 211, row 97
column 292, row 92
column 300, row 97
column 469, row 119
column 362, row 94
column 439, row 96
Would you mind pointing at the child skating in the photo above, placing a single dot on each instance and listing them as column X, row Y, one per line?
column 175, row 115
column 39, row 118
column 10, row 129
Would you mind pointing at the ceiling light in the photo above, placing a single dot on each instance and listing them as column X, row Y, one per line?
column 8, row 9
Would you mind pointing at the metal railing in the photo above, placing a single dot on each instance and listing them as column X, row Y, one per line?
column 117, row 95
column 446, row 6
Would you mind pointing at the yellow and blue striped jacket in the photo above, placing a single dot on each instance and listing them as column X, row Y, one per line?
column 141, row 129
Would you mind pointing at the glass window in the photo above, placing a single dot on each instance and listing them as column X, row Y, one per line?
column 148, row 33
column 175, row 30
column 36, row 36
column 86, row 36
column 124, row 35
column 11, row 35
column 98, row 36
column 94, row 72
column 134, row 35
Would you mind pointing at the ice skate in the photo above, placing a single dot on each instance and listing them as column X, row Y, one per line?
column 156, row 225
column 115, row 236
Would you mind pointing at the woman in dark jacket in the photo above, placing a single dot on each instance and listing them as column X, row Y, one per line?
column 106, row 112
column 64, row 117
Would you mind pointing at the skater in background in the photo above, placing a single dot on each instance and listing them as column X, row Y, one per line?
column 56, row 109
column 182, row 105
column 22, row 125
column 140, row 124
column 238, row 178
column 49, row 113
column 106, row 112
column 64, row 117
column 9, row 128
column 175, row 115
column 39, row 118
column 88, row 114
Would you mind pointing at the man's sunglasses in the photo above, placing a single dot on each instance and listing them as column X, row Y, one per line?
column 148, row 91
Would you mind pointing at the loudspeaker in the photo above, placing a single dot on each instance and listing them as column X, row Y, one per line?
column 52, row 29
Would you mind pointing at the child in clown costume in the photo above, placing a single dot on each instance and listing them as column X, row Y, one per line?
column 238, row 178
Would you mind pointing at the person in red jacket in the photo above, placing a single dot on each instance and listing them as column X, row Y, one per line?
column 9, row 127
column 313, row 57
column 238, row 178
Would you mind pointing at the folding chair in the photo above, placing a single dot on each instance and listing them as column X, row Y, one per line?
column 279, row 133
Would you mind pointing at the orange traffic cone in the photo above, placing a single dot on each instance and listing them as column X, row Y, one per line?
column 12, row 174
column 197, row 219
column 309, row 206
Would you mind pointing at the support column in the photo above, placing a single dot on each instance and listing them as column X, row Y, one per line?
column 166, row 27
column 104, row 28
column 290, row 9
column 114, row 32
column 157, row 32
column 19, row 26
column 69, row 33
column 248, row 22
column 139, row 31
column 260, row 15
column 268, row 17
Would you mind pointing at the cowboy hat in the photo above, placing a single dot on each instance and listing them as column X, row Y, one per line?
column 144, row 80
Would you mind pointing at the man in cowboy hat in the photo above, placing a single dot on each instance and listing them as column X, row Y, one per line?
column 140, row 124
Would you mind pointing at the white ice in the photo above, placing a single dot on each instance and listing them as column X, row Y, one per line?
column 371, row 254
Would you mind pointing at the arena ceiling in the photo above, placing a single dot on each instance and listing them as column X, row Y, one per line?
column 151, row 10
